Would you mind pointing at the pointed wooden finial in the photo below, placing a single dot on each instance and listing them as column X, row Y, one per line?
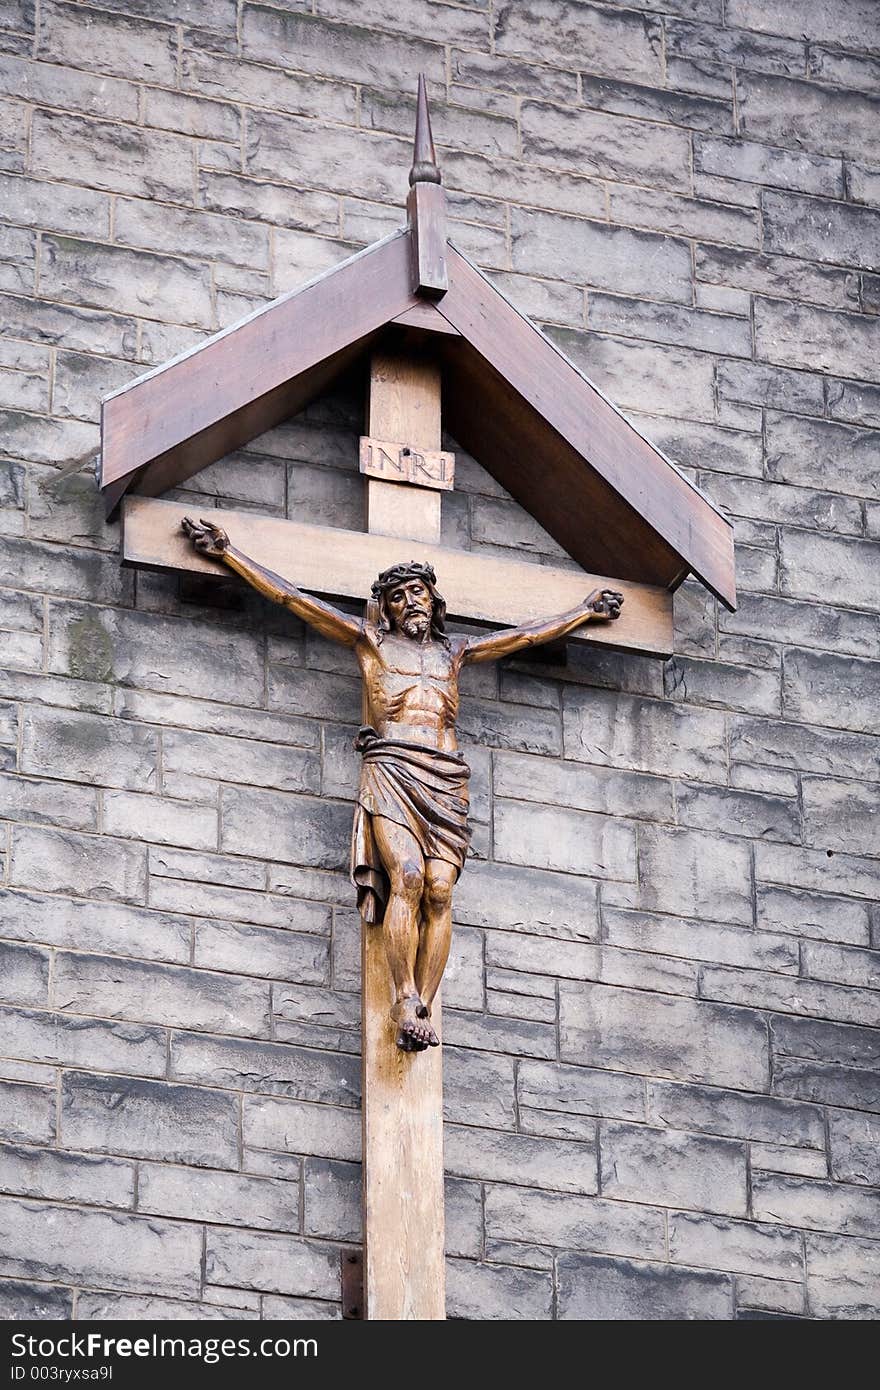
column 426, row 206
column 424, row 168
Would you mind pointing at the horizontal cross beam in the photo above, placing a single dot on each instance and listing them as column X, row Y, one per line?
column 481, row 589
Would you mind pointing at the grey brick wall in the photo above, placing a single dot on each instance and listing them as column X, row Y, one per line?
column 662, row 1047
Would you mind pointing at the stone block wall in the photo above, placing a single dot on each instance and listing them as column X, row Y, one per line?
column 661, row 1026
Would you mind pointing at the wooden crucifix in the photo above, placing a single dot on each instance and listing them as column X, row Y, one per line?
column 425, row 318
column 410, row 834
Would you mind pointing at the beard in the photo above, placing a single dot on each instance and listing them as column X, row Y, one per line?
column 415, row 623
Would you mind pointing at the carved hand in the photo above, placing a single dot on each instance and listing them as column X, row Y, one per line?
column 207, row 538
column 605, row 603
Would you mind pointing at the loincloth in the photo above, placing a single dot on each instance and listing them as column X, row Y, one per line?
column 423, row 789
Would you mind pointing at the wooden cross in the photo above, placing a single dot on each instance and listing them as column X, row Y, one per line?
column 404, row 1228
column 404, row 1211
column 406, row 473
column 554, row 441
column 403, row 1205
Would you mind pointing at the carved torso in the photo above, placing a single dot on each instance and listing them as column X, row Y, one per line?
column 411, row 687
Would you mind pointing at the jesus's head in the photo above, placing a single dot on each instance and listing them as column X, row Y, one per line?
column 409, row 602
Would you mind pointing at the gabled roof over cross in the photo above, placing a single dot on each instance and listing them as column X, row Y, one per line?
column 511, row 398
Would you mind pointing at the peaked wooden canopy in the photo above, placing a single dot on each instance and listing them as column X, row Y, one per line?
column 511, row 398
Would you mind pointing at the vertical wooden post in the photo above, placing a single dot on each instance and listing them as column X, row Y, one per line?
column 404, row 1217
column 405, row 407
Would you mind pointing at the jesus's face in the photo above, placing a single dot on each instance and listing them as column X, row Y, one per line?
column 410, row 607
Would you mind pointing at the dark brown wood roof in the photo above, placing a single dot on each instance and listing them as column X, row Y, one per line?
column 511, row 398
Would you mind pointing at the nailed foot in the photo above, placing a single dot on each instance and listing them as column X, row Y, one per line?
column 414, row 1031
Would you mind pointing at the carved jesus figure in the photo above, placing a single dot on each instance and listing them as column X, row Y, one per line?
column 410, row 833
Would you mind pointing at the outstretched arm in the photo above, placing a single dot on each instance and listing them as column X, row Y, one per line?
column 603, row 605
column 331, row 622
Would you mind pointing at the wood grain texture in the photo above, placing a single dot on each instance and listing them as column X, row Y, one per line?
column 403, row 1198
column 549, row 478
column 182, row 407
column 333, row 563
column 404, row 403
column 566, row 420
column 405, row 399
column 401, row 510
column 426, row 206
column 233, row 431
column 404, row 1226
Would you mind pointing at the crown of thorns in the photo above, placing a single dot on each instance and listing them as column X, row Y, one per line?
column 398, row 574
